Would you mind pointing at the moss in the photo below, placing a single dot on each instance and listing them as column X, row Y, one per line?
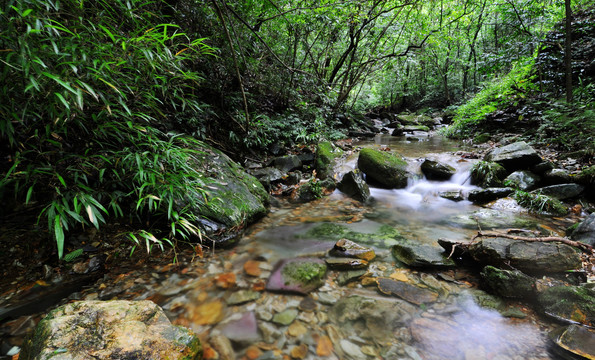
column 383, row 167
column 540, row 203
column 383, row 157
column 482, row 138
column 570, row 302
column 304, row 272
column 386, row 236
column 328, row 231
column 587, row 175
column 326, row 153
column 487, row 174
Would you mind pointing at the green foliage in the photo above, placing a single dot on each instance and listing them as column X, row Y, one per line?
column 85, row 84
column 569, row 127
column 304, row 272
column 487, row 174
column 540, row 203
column 500, row 93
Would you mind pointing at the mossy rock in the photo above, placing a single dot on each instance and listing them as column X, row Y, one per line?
column 539, row 203
column 487, row 174
column 299, row 275
column 508, row 283
column 383, row 237
column 573, row 303
column 389, row 170
column 326, row 155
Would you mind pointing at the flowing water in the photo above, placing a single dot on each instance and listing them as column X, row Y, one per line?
column 462, row 324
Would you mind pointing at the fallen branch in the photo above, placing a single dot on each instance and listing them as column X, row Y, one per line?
column 577, row 244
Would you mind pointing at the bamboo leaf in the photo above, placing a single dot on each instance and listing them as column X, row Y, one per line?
column 59, row 235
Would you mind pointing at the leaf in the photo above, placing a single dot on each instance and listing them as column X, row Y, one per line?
column 61, row 98
column 73, row 255
column 59, row 235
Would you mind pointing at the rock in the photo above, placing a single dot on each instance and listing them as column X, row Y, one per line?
column 527, row 256
column 235, row 198
column 434, row 170
column 570, row 303
column 349, row 276
column 268, row 176
column 585, row 231
column 542, row 168
column 508, row 283
column 351, row 350
column 345, row 263
column 287, row 163
column 387, row 169
column 116, row 329
column 412, row 128
column 354, row 186
column 487, row 174
column 269, row 332
column 408, row 292
column 576, row 339
column 285, row 317
column 242, row 296
column 491, row 219
column 326, row 155
column 374, row 319
column 293, row 178
column 243, row 331
column 561, row 191
column 421, row 255
column 308, row 191
column 454, row 195
column 540, row 203
column 299, row 275
column 557, row 176
column 522, row 180
column 350, row 249
column 482, row 196
column 383, row 237
column 515, row 156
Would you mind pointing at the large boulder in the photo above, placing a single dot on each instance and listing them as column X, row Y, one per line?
column 522, row 180
column 487, row 174
column 116, row 329
column 576, row 339
column 573, row 303
column 481, row 196
column 232, row 198
column 561, row 191
column 326, row 155
column 354, row 186
column 533, row 257
column 515, row 156
column 387, row 169
column 585, row 232
column 434, row 170
column 508, row 283
column 287, row 163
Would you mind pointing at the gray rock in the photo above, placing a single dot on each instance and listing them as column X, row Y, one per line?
column 542, row 167
column 518, row 155
column 421, row 255
column 110, row 330
column 285, row 317
column 345, row 263
column 481, row 196
column 454, row 195
column 561, row 191
column 508, row 283
column 557, row 176
column 408, row 292
column 354, row 186
column 389, row 170
column 268, row 175
column 585, row 232
column 572, row 303
column 528, row 256
column 522, row 180
column 287, row 163
column 434, row 170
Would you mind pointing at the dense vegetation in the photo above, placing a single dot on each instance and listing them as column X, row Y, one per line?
column 102, row 101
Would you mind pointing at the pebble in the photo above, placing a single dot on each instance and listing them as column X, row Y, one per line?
column 327, row 298
column 223, row 346
column 297, row 329
column 352, row 350
column 285, row 317
column 269, row 332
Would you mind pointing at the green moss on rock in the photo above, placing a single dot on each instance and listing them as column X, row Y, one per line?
column 326, row 154
column 383, row 167
column 487, row 174
column 304, row 272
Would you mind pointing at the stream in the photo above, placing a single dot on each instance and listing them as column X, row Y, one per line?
column 348, row 318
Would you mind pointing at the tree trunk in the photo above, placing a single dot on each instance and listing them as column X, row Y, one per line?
column 567, row 51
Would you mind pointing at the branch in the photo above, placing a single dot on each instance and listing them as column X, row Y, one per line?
column 577, row 244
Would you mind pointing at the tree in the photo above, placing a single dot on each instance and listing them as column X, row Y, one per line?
column 567, row 50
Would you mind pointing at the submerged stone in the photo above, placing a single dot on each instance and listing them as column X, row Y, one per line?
column 383, row 237
column 299, row 275
column 350, row 249
column 346, row 277
column 117, row 329
column 576, row 339
column 387, row 169
column 346, row 263
column 421, row 255
column 242, row 296
column 243, row 331
column 411, row 293
column 285, row 317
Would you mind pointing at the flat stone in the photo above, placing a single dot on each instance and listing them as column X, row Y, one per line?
column 421, row 255
column 508, row 283
column 576, row 339
column 350, row 249
column 242, row 331
column 561, row 191
column 411, row 293
column 571, row 303
column 345, row 263
column 285, row 317
column 298, row 275
column 518, row 155
column 481, row 196
column 349, row 276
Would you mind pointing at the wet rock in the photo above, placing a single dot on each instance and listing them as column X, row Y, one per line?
column 293, row 178
column 575, row 339
column 349, row 276
column 268, row 176
column 412, row 128
column 269, row 332
column 371, row 318
column 223, row 347
column 326, row 155
column 411, row 293
column 110, row 330
column 421, row 255
column 307, row 304
column 542, row 168
column 242, row 296
column 243, row 331
column 287, row 163
column 299, row 275
column 308, row 191
column 345, row 263
column 383, row 237
column 518, row 155
column 285, row 317
column 487, row 174
column 434, row 170
column 387, row 169
column 585, row 231
column 522, row 180
column 557, row 176
column 351, row 350
column 354, row 186
column 454, row 195
column 482, row 196
column 350, row 249
column 491, row 219
column 508, row 283
column 527, row 256
column 561, row 191
column 570, row 303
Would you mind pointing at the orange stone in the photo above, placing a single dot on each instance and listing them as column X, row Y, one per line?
column 252, row 268
column 299, row 352
column 225, row 281
column 324, row 347
column 208, row 313
column 209, row 353
column 253, row 352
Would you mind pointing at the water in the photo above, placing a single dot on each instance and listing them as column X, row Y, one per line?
column 458, row 325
